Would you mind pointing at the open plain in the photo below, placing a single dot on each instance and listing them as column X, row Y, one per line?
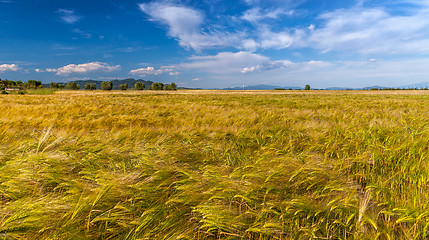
column 206, row 164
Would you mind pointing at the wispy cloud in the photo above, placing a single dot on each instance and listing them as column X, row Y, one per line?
column 339, row 73
column 76, row 78
column 371, row 30
column 290, row 4
column 68, row 16
column 82, row 33
column 8, row 67
column 224, row 62
column 142, row 72
column 255, row 15
column 185, row 24
column 355, row 30
column 83, row 68
column 268, row 66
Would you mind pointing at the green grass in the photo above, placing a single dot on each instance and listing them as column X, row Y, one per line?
column 39, row 91
column 214, row 165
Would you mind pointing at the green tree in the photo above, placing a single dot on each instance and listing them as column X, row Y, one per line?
column 73, row 86
column 123, row 86
column 107, row 85
column 11, row 84
column 139, row 86
column 157, row 86
column 307, row 87
column 56, row 85
column 171, row 86
column 33, row 84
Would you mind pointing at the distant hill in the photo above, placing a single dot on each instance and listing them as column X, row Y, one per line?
column 417, row 85
column 339, row 88
column 372, row 87
column 131, row 82
column 423, row 85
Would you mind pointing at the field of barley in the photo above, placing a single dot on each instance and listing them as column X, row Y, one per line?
column 215, row 165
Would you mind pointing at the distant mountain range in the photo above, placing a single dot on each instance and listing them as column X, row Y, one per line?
column 131, row 82
column 262, row 87
column 423, row 85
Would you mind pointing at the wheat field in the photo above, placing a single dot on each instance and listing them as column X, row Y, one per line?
column 215, row 165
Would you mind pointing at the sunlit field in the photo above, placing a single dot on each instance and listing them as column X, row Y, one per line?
column 215, row 165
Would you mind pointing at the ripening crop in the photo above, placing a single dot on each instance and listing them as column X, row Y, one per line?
column 215, row 165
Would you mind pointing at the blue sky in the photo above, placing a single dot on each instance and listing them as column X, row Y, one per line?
column 217, row 43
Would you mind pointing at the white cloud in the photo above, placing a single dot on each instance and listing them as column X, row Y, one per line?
column 271, row 40
column 268, row 66
column 184, row 24
column 68, row 16
column 82, row 33
column 278, row 3
column 196, row 79
column 146, row 71
column 188, row 25
column 142, row 72
column 286, row 65
column 38, row 70
column 321, row 74
column 357, row 30
column 111, row 78
column 390, row 73
column 76, row 78
column 8, row 67
column 371, row 30
column 83, row 68
column 167, row 68
column 255, row 15
column 224, row 62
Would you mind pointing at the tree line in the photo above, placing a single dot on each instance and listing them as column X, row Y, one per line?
column 106, row 85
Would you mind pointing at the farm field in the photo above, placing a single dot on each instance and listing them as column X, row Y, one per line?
column 215, row 165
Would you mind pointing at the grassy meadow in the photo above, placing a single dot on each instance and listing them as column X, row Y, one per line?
column 215, row 165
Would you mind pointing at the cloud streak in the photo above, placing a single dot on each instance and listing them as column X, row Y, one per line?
column 266, row 66
column 255, row 15
column 185, row 24
column 143, row 72
column 371, row 30
column 357, row 30
column 68, row 16
column 84, row 68
column 223, row 62
column 8, row 67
